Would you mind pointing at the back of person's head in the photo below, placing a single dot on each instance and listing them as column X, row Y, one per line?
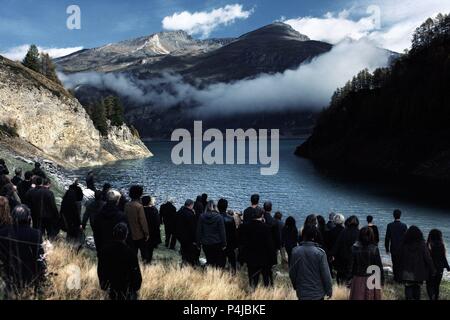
column 413, row 235
column 204, row 197
column 136, row 192
column 435, row 238
column 189, row 203
column 353, row 221
column 38, row 181
column 366, row 236
column 199, row 198
column 28, row 175
column 2, row 162
column 331, row 216
column 18, row 172
column 397, row 214
column 222, row 205
column 310, row 233
column 369, row 219
column 254, row 199
column 21, row 215
column 339, row 219
column 278, row 215
column 4, row 180
column 268, row 206
column 290, row 222
column 37, row 165
column 321, row 221
column 120, row 232
column 5, row 212
column 106, row 187
column 310, row 220
column 113, row 196
column 211, row 206
column 148, row 201
column 98, row 195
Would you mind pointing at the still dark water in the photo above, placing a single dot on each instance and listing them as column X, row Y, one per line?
column 298, row 189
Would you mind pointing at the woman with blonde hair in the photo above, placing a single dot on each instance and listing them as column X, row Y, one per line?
column 5, row 212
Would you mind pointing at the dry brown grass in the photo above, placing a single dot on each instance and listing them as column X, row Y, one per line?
column 167, row 280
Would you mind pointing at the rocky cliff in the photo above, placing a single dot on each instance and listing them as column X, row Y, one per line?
column 44, row 115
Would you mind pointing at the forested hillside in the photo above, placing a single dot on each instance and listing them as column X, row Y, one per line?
column 395, row 120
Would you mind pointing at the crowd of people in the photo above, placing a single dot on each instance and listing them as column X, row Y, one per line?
column 126, row 227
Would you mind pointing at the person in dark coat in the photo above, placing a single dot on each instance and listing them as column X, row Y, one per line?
column 437, row 249
column 199, row 208
column 289, row 236
column 17, row 179
column 70, row 214
column 211, row 236
column 154, row 223
column 90, row 181
column 365, row 254
column 37, row 171
column 415, row 263
column 107, row 219
column 168, row 214
column 24, row 186
column 376, row 233
column 186, row 231
column 44, row 212
column 3, row 168
column 331, row 237
column 204, row 200
column 118, row 267
column 258, row 248
column 93, row 208
column 253, row 210
column 21, row 252
column 342, row 250
column 231, row 233
column 268, row 219
column 394, row 236
column 106, row 187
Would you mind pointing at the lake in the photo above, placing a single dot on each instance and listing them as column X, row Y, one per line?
column 298, row 189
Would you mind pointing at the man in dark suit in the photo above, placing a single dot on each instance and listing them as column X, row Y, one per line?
column 168, row 214
column 186, row 231
column 258, row 248
column 44, row 212
column 394, row 236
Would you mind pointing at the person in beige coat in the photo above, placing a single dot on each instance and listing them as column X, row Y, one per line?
column 134, row 211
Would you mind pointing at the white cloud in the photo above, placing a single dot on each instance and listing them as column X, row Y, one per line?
column 391, row 26
column 204, row 22
column 309, row 86
column 19, row 52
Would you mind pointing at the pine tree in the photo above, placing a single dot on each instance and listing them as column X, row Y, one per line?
column 116, row 116
column 48, row 69
column 31, row 59
column 98, row 116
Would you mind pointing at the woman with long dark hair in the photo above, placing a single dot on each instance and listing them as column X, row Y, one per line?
column 437, row 249
column 416, row 265
column 289, row 236
column 364, row 255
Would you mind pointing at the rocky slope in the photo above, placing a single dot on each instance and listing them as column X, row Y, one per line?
column 45, row 116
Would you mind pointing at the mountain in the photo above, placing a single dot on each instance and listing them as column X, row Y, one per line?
column 397, row 126
column 140, row 51
column 147, row 60
column 39, row 117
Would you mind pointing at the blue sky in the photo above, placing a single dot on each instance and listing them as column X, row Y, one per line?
column 43, row 22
